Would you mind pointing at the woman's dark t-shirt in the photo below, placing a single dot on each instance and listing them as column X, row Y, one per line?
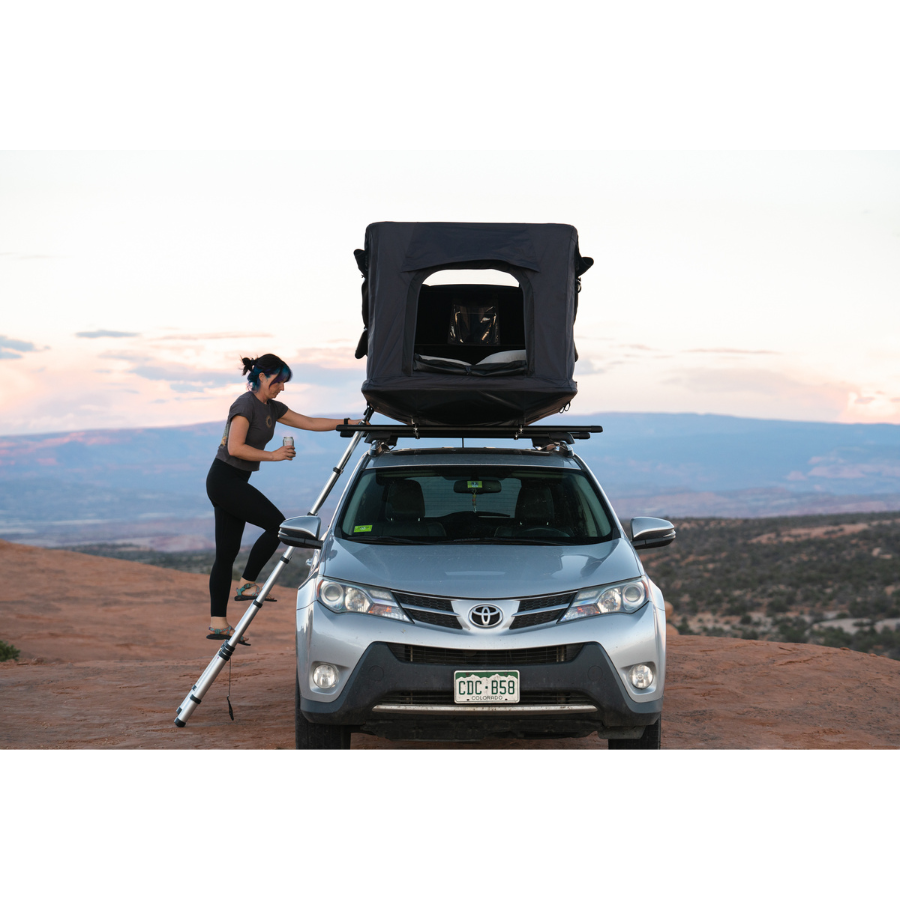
column 262, row 418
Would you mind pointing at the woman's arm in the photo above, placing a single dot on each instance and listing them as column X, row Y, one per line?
column 307, row 423
column 237, row 445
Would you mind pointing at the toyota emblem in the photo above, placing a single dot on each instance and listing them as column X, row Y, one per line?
column 485, row 616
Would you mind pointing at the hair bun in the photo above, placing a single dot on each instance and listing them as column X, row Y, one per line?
column 248, row 364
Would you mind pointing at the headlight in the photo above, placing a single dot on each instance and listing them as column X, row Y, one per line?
column 625, row 597
column 339, row 597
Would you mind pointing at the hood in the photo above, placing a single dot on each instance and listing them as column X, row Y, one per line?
column 479, row 571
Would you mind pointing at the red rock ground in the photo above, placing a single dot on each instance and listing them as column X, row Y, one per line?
column 109, row 649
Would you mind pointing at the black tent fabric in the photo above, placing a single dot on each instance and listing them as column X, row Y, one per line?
column 469, row 354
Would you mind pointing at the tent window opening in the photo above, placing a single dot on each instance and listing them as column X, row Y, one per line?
column 473, row 324
column 474, row 329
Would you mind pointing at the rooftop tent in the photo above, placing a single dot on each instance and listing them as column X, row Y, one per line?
column 469, row 354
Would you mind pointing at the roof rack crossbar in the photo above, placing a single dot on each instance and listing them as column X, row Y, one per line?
column 537, row 434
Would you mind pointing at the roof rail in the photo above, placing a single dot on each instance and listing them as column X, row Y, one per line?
column 536, row 434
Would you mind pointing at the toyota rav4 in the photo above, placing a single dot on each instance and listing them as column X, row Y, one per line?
column 465, row 593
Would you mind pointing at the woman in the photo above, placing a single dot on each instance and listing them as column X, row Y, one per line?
column 250, row 426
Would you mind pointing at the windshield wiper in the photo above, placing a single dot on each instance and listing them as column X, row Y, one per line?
column 544, row 542
column 386, row 540
column 540, row 542
column 507, row 540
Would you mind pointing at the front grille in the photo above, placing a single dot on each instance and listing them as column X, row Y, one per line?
column 439, row 603
column 445, row 698
column 430, row 618
column 536, row 610
column 543, row 602
column 527, row 656
column 539, row 618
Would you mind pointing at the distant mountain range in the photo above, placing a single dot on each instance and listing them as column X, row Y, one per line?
column 148, row 484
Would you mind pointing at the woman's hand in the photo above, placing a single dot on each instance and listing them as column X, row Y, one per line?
column 283, row 453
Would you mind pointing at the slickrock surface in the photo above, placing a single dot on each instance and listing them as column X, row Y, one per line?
column 110, row 648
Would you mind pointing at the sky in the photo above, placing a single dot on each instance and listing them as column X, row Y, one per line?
column 184, row 184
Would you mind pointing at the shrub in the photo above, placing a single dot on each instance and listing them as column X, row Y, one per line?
column 7, row 651
column 793, row 631
column 833, row 637
column 867, row 640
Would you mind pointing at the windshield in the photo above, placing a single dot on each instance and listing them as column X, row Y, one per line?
column 483, row 504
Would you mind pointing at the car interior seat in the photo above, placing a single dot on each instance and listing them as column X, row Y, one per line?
column 404, row 512
column 534, row 508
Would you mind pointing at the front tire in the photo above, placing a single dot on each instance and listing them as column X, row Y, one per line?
column 651, row 739
column 314, row 736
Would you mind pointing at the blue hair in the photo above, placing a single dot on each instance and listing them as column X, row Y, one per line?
column 267, row 365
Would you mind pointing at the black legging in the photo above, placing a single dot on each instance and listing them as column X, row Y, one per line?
column 236, row 502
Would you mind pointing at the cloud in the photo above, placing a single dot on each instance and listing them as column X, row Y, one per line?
column 327, row 376
column 736, row 380
column 183, row 379
column 336, row 358
column 12, row 344
column 775, row 390
column 102, row 333
column 322, row 371
column 587, row 366
column 127, row 355
column 10, row 348
column 871, row 404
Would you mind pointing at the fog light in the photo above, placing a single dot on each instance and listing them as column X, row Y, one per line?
column 641, row 677
column 325, row 676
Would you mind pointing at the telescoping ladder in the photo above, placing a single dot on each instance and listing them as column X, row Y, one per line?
column 196, row 694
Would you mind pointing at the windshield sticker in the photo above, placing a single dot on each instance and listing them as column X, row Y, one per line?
column 360, row 528
column 474, row 485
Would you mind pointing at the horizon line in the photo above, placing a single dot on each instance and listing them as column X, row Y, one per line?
column 37, row 434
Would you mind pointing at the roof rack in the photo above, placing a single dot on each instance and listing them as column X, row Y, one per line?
column 537, row 434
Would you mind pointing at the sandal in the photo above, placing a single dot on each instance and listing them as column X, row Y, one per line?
column 243, row 595
column 222, row 634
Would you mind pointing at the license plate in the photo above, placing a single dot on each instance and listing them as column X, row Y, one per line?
column 488, row 686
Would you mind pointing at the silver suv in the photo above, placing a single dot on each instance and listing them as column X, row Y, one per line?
column 465, row 593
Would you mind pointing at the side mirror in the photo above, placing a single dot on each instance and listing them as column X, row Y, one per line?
column 301, row 531
column 647, row 532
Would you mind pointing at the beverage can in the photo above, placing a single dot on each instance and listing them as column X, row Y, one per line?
column 288, row 441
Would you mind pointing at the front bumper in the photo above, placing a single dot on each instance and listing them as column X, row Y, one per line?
column 603, row 705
